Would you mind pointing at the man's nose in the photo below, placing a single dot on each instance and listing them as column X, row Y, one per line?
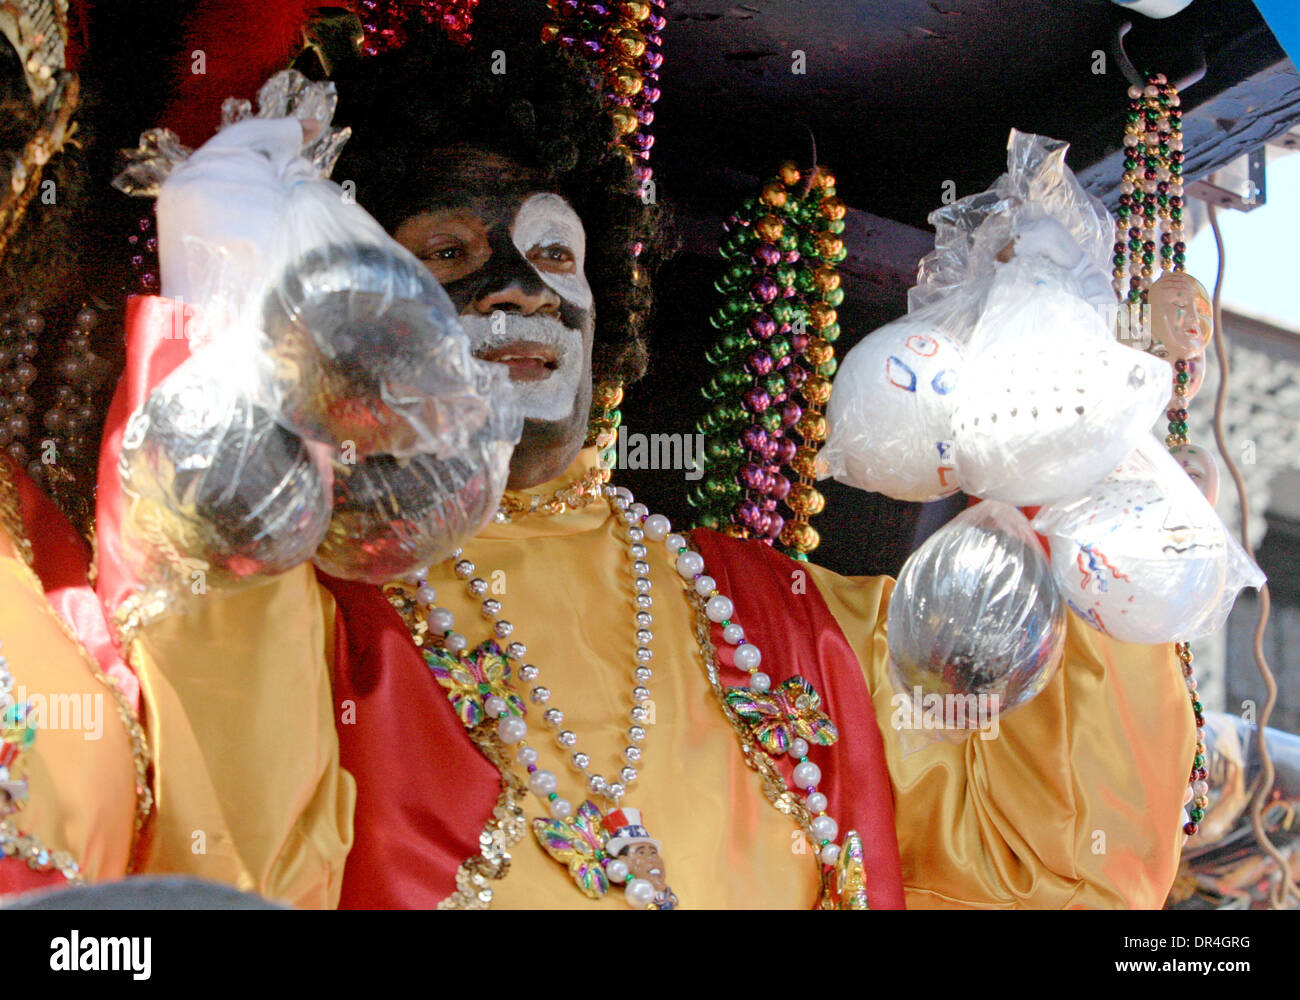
column 525, row 297
column 510, row 283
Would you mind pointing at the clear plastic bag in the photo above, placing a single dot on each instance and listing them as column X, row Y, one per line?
column 329, row 387
column 1143, row 557
column 393, row 516
column 1034, row 405
column 975, row 233
column 366, row 351
column 1003, row 380
column 345, row 334
column 948, row 269
column 1051, row 402
column 975, row 620
column 216, row 493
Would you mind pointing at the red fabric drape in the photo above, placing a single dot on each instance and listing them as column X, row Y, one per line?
column 241, row 44
column 61, row 559
column 424, row 792
column 74, row 52
column 156, row 343
column 799, row 636
column 17, row 878
column 415, row 822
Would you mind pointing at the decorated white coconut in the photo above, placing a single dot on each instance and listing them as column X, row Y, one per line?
column 1050, row 402
column 1142, row 557
column 890, row 413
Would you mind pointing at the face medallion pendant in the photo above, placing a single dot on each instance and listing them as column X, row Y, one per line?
column 602, row 848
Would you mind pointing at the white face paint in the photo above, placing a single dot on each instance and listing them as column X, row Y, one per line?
column 547, row 220
column 547, row 358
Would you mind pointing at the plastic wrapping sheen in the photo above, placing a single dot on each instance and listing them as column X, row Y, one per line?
column 1003, row 379
column 1143, row 557
column 973, row 233
column 392, row 517
column 156, row 344
column 366, row 352
column 1051, row 402
column 976, row 612
column 216, row 493
column 329, row 394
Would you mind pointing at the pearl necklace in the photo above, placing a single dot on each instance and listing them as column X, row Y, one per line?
column 512, row 729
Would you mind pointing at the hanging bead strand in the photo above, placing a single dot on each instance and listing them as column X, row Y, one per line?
column 384, row 23
column 20, row 332
column 778, row 324
column 1151, row 209
column 623, row 38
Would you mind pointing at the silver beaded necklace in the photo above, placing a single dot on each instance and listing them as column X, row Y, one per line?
column 602, row 844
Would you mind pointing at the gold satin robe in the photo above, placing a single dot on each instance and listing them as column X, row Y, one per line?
column 1076, row 803
column 80, row 771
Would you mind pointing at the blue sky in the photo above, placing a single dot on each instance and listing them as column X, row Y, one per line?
column 1262, row 248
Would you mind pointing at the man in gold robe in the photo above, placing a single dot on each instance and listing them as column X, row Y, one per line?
column 327, row 742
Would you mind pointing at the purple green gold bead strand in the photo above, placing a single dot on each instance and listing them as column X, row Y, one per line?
column 384, row 22
column 624, row 40
column 777, row 324
column 1151, row 206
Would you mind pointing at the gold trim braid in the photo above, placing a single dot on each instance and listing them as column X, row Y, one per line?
column 774, row 785
column 508, row 823
column 11, row 518
column 49, row 140
column 577, row 495
column 505, row 829
column 28, row 848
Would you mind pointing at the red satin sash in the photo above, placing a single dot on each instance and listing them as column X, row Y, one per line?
column 415, row 824
column 156, row 343
column 16, row 878
column 424, row 792
column 799, row 636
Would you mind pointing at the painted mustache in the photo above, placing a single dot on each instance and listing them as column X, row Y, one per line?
column 544, row 356
column 496, row 333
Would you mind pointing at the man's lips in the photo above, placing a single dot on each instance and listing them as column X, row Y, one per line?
column 528, row 360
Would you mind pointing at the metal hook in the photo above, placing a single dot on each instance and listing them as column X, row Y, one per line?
column 1137, row 79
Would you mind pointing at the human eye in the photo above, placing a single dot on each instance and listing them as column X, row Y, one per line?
column 556, row 254
column 443, row 250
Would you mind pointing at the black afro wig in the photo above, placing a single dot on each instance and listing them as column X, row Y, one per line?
column 540, row 107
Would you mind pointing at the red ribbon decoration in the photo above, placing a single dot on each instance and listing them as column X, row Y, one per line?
column 799, row 636
column 424, row 793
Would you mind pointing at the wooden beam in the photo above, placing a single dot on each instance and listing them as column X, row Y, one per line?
column 1248, row 114
column 883, row 254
